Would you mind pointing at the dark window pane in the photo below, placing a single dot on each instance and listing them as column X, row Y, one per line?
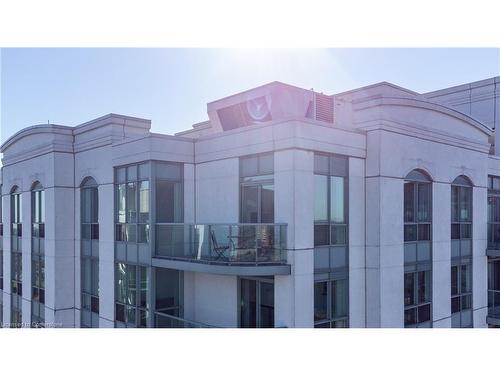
column 94, row 231
column 321, row 236
column 409, row 202
column 455, row 231
column 248, row 304
column 454, row 280
column 424, row 313
column 120, row 232
column 120, row 312
column 455, row 305
column 455, row 208
column 424, row 202
column 169, row 200
column 410, row 316
column 410, row 232
column 409, row 289
column 424, row 286
column 424, row 232
column 320, row 300
column 94, row 305
column 266, row 305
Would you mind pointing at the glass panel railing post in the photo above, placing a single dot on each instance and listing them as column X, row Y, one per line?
column 210, row 234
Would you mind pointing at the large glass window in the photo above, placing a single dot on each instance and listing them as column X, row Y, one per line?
column 417, row 214
column 461, row 252
column 330, row 200
column 89, row 253
column 494, row 287
column 132, row 214
column 131, row 291
column 169, row 193
column 493, row 212
column 331, row 303
column 494, row 244
column 256, row 303
column 257, row 189
column 169, row 298
column 145, row 193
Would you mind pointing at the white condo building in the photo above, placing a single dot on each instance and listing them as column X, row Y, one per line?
column 376, row 207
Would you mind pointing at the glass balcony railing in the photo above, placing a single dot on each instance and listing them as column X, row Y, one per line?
column 163, row 320
column 222, row 243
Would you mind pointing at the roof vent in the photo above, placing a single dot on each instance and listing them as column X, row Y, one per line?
column 323, row 105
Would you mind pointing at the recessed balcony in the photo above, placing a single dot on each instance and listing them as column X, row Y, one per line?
column 236, row 249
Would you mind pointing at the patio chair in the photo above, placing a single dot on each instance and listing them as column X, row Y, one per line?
column 220, row 251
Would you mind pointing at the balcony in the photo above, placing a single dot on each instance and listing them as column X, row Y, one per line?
column 235, row 249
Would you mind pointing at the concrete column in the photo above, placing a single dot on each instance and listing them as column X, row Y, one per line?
column 60, row 257
column 384, row 252
column 6, row 258
column 189, row 194
column 441, row 255
column 26, row 257
column 106, row 256
column 293, row 204
column 479, row 258
column 357, row 318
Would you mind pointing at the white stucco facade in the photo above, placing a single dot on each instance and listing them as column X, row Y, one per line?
column 383, row 132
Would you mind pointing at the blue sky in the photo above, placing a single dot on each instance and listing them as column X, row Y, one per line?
column 172, row 86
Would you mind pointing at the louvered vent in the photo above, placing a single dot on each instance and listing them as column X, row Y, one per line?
column 324, row 107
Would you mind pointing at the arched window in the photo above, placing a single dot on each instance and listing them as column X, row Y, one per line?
column 16, row 257
column 89, row 217
column 37, row 254
column 38, row 210
column 461, row 252
column 15, row 215
column 417, row 212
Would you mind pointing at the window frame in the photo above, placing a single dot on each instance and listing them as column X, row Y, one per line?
column 415, row 267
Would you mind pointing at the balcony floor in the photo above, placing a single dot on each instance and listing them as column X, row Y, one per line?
column 238, row 269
